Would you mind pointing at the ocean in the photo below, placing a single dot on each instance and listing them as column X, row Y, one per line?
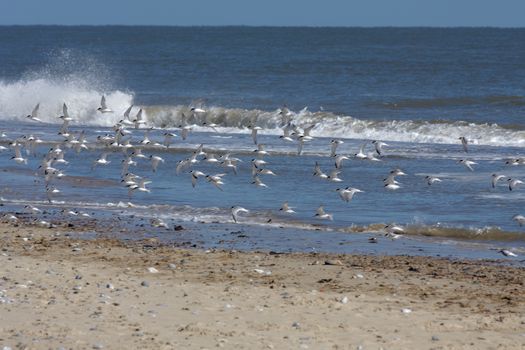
column 416, row 89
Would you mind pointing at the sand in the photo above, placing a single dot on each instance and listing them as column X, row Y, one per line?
column 58, row 292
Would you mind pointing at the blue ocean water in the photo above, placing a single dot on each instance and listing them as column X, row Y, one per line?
column 417, row 89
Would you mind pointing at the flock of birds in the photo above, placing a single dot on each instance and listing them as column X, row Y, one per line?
column 121, row 141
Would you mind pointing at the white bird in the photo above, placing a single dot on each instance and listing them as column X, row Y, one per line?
column 520, row 219
column 257, row 182
column 210, row 158
column 265, row 172
column 286, row 209
column 371, row 157
column 467, row 163
column 65, row 115
column 141, row 187
column 318, row 172
column 464, row 143
column 321, row 214
column 18, row 155
column 495, row 178
column 379, row 146
column 432, row 180
column 260, row 151
column 513, row 183
column 156, row 222
column 197, row 110
column 394, row 232
column 286, row 134
column 507, row 252
column 361, row 154
column 255, row 129
column 391, row 183
column 339, row 161
column 216, row 180
column 195, row 176
column 51, row 191
column 102, row 160
column 334, row 176
column 155, row 160
column 138, row 121
column 126, row 115
column 167, row 138
column 333, row 147
column 347, row 193
column 103, row 107
column 34, row 114
column 236, row 210
column 32, row 209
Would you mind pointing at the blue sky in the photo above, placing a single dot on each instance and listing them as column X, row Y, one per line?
column 500, row 13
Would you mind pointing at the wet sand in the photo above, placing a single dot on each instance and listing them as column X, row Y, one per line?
column 60, row 292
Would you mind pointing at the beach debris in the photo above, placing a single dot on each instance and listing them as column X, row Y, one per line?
column 344, row 300
column 144, row 284
column 172, row 266
column 296, row 325
column 406, row 310
column 263, row 272
column 152, row 270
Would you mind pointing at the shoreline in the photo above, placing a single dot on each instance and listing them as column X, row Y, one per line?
column 62, row 292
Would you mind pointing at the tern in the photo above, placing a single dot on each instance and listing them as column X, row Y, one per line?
column 210, row 158
column 102, row 160
column 216, row 180
column 520, row 219
column 321, row 214
column 464, row 143
column 126, row 115
column 18, row 155
column 195, row 176
column 156, row 222
column 432, row 180
column 138, row 121
column 155, row 160
column 379, row 146
column 467, row 163
column 167, row 138
column 51, row 191
column 65, row 115
column 255, row 129
column 347, row 193
column 286, row 209
column 495, row 178
column 513, row 183
column 34, row 114
column 260, row 151
column 334, row 176
column 236, row 210
column 286, row 134
column 333, row 147
column 257, row 182
column 103, row 107
column 507, row 252
column 318, row 172
column 197, row 110
column 361, row 154
column 339, row 161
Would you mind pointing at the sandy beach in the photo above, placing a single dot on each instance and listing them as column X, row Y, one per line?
column 57, row 292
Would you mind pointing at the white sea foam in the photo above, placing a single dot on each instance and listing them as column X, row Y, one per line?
column 18, row 98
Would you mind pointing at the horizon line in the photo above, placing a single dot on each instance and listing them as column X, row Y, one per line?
column 267, row 26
